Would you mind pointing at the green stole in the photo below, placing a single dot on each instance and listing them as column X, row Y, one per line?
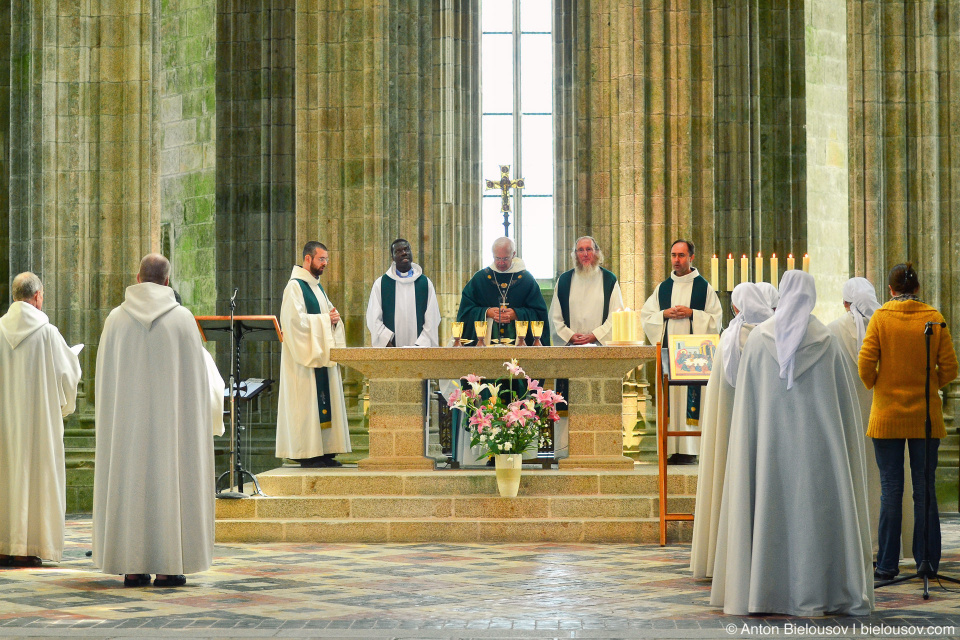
column 698, row 301
column 321, row 376
column 563, row 293
column 388, row 301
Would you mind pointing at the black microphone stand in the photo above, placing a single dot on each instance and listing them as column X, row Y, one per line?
column 924, row 568
column 236, row 470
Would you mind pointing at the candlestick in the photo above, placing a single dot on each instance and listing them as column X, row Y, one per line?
column 758, row 268
column 744, row 269
column 806, row 263
column 791, row 263
column 730, row 274
column 774, row 273
column 715, row 273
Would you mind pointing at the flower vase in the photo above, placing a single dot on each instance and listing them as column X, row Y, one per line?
column 508, row 467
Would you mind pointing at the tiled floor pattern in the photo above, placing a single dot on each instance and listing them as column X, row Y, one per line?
column 433, row 590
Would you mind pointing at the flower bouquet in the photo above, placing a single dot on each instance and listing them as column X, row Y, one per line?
column 504, row 422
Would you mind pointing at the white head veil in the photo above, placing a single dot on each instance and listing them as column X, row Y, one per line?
column 748, row 299
column 863, row 302
column 798, row 295
column 770, row 294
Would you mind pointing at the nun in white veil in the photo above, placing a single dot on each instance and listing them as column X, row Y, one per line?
column 794, row 537
column 860, row 300
column 751, row 309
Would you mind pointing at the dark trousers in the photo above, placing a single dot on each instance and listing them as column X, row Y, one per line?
column 889, row 454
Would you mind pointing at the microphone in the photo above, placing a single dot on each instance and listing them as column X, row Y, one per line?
column 928, row 327
column 234, row 296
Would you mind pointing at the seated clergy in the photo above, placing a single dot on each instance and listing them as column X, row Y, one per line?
column 751, row 309
column 403, row 309
column 794, row 537
column 38, row 387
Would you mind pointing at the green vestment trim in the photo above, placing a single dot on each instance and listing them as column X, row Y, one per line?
column 320, row 374
column 698, row 301
column 388, row 301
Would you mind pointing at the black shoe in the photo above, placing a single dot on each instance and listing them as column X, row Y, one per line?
column 686, row 458
column 170, row 581
column 673, row 458
column 136, row 580
column 882, row 576
column 491, row 461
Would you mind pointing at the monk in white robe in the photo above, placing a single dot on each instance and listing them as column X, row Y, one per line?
column 860, row 301
column 159, row 404
column 38, row 388
column 794, row 537
column 586, row 297
column 403, row 309
column 751, row 309
column 683, row 304
column 312, row 413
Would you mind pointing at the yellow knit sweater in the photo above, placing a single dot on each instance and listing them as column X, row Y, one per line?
column 892, row 364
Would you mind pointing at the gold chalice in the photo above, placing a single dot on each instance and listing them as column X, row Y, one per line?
column 537, row 327
column 522, row 326
column 480, row 327
column 457, row 329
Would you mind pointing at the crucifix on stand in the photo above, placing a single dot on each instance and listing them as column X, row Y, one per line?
column 505, row 184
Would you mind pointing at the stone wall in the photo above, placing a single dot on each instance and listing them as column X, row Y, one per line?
column 187, row 139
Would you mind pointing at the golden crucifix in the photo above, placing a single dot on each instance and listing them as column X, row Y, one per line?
column 505, row 184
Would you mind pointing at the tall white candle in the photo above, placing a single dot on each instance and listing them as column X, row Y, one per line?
column 774, row 273
column 791, row 262
column 806, row 263
column 758, row 268
column 744, row 269
column 715, row 273
column 730, row 274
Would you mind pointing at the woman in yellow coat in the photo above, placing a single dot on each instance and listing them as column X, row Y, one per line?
column 892, row 364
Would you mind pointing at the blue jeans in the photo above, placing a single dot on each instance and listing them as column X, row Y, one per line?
column 889, row 454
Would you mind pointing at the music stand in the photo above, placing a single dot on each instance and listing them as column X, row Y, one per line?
column 235, row 329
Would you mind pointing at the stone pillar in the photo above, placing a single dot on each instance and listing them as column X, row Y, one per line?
column 904, row 76
column 84, row 206
column 644, row 134
column 5, row 276
column 827, row 144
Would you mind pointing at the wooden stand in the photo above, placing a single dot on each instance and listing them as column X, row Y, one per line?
column 663, row 423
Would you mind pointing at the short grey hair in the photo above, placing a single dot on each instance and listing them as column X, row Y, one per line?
column 25, row 286
column 504, row 241
column 154, row 268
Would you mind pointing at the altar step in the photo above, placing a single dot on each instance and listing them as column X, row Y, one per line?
column 349, row 505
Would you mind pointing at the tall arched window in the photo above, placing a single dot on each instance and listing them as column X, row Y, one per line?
column 517, row 124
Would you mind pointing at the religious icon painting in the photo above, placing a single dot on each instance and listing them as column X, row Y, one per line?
column 691, row 356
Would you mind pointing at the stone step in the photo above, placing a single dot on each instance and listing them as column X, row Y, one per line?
column 642, row 480
column 613, row 530
column 451, row 507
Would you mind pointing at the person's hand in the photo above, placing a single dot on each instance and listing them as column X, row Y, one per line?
column 507, row 315
column 683, row 312
column 582, row 338
column 334, row 316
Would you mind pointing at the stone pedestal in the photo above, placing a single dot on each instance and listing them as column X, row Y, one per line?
column 396, row 404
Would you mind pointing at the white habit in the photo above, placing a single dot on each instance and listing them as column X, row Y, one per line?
column 706, row 321
column 159, row 404
column 307, row 341
column 38, row 387
column 717, row 403
column 586, row 309
column 405, row 313
column 845, row 328
column 794, row 537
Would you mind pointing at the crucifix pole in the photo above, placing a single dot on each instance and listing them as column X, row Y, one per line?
column 504, row 184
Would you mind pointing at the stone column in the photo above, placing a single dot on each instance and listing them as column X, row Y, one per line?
column 904, row 75
column 827, row 143
column 84, row 205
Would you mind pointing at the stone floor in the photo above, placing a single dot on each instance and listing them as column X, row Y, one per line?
column 285, row 590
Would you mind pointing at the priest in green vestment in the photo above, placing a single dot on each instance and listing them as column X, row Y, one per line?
column 501, row 294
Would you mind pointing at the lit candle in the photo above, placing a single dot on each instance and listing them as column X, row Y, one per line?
column 715, row 273
column 730, row 274
column 744, row 269
column 806, row 263
column 774, row 272
column 791, row 263
column 758, row 268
